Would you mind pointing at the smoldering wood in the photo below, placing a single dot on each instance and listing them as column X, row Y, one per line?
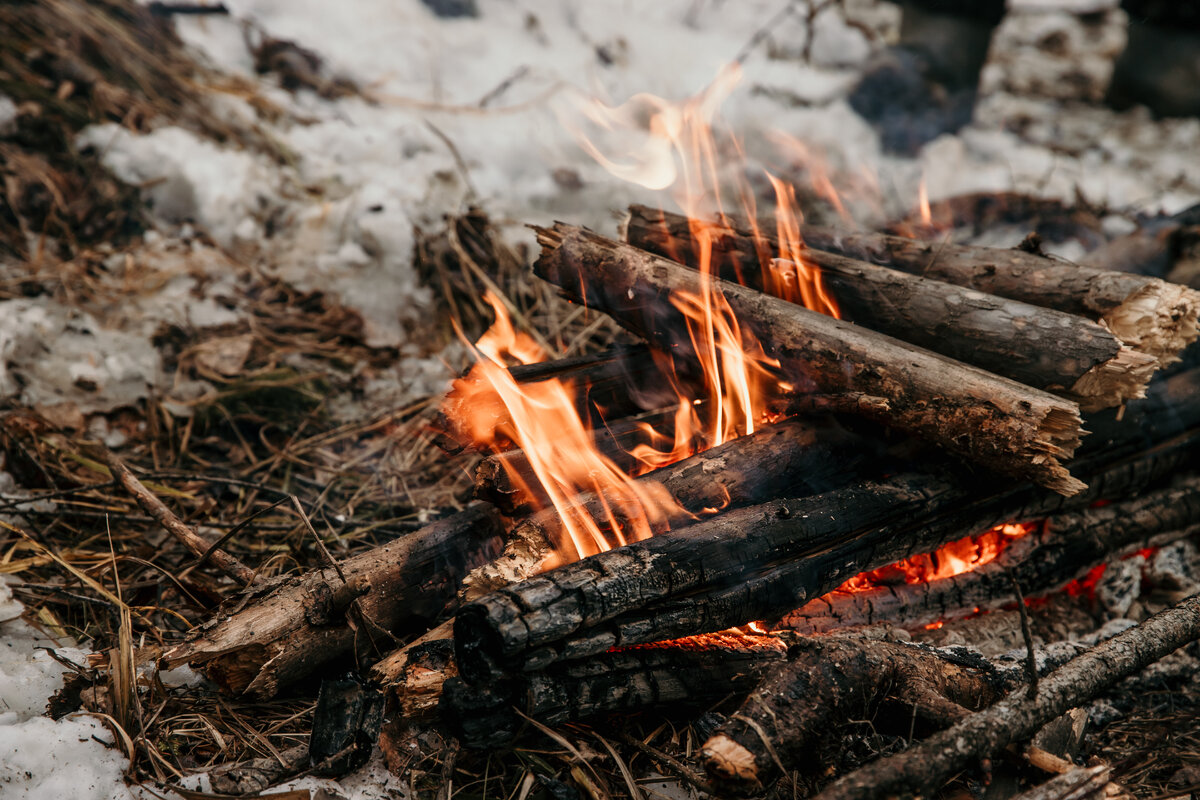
column 981, row 417
column 1150, row 315
column 287, row 629
column 793, row 457
column 1063, row 548
column 924, row 767
column 1062, row 353
column 764, row 561
column 691, row 673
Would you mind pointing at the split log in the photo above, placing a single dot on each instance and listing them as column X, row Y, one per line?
column 1065, row 547
column 764, row 561
column 293, row 626
column 1047, row 349
column 1150, row 315
column 695, row 672
column 794, row 457
column 979, row 416
column 1082, row 783
column 922, row 768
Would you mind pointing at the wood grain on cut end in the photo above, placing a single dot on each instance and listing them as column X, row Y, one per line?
column 1113, row 382
column 1160, row 319
column 729, row 761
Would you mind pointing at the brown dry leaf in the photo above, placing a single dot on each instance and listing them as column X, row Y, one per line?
column 63, row 416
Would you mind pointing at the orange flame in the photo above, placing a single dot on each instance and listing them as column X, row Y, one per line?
column 956, row 558
column 494, row 411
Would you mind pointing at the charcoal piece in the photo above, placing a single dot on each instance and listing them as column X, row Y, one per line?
column 345, row 725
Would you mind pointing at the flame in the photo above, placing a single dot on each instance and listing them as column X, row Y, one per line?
column 923, row 204
column 496, row 412
column 966, row 554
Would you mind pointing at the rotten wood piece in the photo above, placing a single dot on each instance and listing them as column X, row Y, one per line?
column 924, row 767
column 793, row 457
column 978, row 416
column 291, row 627
column 764, row 561
column 1047, row 349
column 692, row 672
column 1150, row 315
column 1063, row 548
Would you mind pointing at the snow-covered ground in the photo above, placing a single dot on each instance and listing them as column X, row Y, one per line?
column 465, row 111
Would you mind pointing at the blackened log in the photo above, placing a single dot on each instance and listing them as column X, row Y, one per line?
column 792, row 458
column 1063, row 548
column 1148, row 314
column 764, row 561
column 693, row 673
column 1062, row 353
column 292, row 627
column 922, row 768
column 978, row 416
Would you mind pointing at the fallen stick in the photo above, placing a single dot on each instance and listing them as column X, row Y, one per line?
column 292, row 626
column 1148, row 314
column 193, row 541
column 1047, row 349
column 1065, row 547
column 979, row 416
column 922, row 768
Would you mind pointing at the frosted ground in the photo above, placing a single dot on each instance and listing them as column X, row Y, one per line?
column 457, row 112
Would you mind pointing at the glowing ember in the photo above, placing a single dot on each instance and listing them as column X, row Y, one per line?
column 955, row 558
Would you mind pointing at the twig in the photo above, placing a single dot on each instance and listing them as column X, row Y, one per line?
column 193, row 541
column 678, row 766
column 1027, row 632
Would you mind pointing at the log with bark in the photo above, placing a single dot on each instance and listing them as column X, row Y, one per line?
column 1062, row 549
column 979, row 416
column 1148, row 314
column 291, row 627
column 1047, row 349
column 764, row 561
column 689, row 673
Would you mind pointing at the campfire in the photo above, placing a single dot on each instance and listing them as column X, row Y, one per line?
column 818, row 429
column 784, row 529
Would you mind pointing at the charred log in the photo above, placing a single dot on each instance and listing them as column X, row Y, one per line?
column 293, row 626
column 1062, row 353
column 693, row 672
column 794, row 457
column 1148, row 314
column 976, row 415
column 1064, row 548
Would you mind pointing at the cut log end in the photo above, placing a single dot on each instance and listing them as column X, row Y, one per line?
column 728, row 761
column 1113, row 382
column 1057, row 437
column 524, row 556
column 1160, row 320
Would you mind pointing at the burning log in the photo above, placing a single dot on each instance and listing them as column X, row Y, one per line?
column 979, row 416
column 292, row 626
column 695, row 672
column 763, row 561
column 1043, row 348
column 1150, row 315
column 793, row 457
column 924, row 767
column 1064, row 548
